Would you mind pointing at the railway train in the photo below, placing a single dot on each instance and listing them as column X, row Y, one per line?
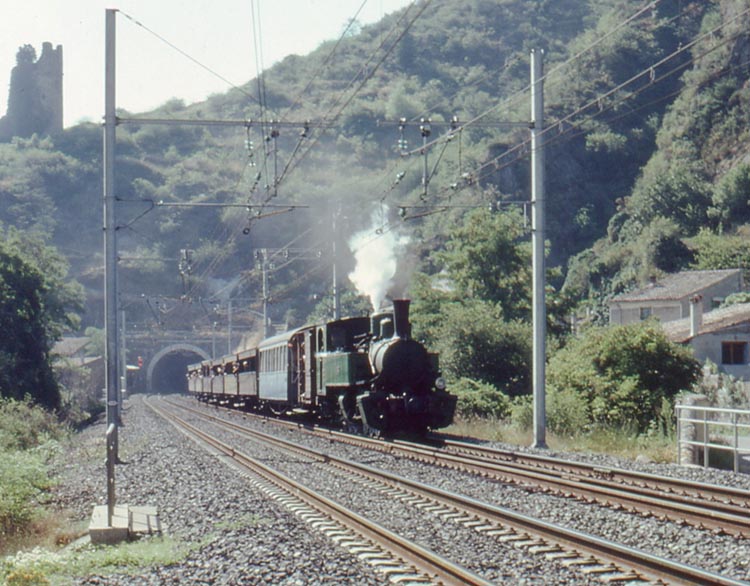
column 366, row 374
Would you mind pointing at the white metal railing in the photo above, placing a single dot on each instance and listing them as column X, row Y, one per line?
column 702, row 429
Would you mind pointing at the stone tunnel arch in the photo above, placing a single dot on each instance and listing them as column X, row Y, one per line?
column 183, row 349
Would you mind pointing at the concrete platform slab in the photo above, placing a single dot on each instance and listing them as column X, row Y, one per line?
column 128, row 522
column 100, row 531
column 144, row 520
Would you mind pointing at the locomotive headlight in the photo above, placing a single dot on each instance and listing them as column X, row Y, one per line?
column 440, row 383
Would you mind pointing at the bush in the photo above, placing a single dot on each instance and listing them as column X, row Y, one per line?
column 522, row 412
column 24, row 426
column 23, row 479
column 477, row 344
column 622, row 373
column 479, row 399
column 567, row 412
column 26, row 431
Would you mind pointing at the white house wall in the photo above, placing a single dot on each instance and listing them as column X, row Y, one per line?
column 708, row 346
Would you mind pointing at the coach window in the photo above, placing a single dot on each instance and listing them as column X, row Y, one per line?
column 733, row 352
column 645, row 313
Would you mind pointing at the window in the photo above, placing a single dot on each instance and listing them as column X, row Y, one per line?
column 733, row 352
column 645, row 313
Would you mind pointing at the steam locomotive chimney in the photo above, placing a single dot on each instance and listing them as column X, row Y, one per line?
column 401, row 318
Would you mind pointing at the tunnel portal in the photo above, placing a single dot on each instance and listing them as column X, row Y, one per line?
column 166, row 371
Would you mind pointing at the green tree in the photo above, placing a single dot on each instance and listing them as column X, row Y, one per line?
column 488, row 257
column 474, row 311
column 721, row 251
column 475, row 342
column 731, row 198
column 35, row 307
column 623, row 372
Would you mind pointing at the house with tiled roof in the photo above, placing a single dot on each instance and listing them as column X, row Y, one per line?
column 721, row 336
column 669, row 298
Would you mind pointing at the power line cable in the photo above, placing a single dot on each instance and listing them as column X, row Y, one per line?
column 645, row 72
column 316, row 74
column 186, row 55
column 513, row 98
column 518, row 149
column 368, row 73
column 651, row 5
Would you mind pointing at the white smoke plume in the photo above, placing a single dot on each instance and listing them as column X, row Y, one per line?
column 376, row 253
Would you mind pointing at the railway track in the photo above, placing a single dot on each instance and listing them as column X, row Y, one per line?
column 715, row 508
column 592, row 555
column 401, row 560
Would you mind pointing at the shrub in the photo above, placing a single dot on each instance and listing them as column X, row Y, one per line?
column 566, row 411
column 622, row 373
column 24, row 425
column 522, row 412
column 480, row 399
column 23, row 479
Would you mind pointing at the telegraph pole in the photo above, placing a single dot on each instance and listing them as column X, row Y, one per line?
column 110, row 226
column 539, row 318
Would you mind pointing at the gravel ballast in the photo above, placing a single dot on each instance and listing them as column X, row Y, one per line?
column 241, row 536
column 248, row 539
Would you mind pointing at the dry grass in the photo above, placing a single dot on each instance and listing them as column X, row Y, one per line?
column 615, row 442
column 50, row 531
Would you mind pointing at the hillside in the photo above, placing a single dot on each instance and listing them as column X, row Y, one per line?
column 647, row 157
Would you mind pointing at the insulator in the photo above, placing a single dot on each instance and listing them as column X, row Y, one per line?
column 402, row 212
column 424, row 127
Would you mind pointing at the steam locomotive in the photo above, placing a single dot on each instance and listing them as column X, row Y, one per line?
column 366, row 374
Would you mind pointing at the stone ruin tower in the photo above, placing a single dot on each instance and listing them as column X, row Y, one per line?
column 35, row 99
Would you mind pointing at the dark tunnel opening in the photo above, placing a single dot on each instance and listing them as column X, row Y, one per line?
column 169, row 373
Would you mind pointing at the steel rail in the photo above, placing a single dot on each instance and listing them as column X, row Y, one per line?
column 424, row 561
column 617, row 556
column 560, row 476
column 698, row 490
